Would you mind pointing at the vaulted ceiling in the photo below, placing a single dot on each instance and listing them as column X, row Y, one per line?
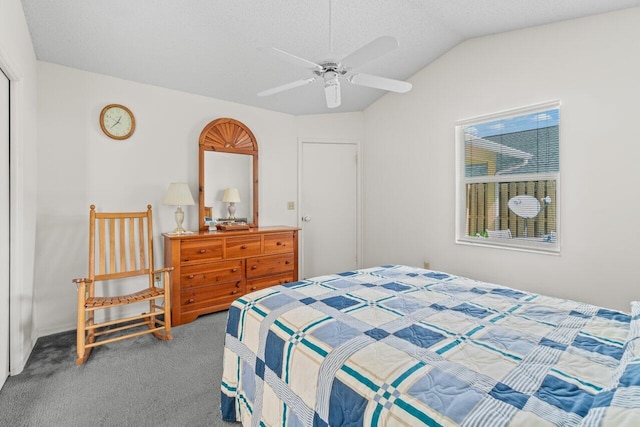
column 208, row 47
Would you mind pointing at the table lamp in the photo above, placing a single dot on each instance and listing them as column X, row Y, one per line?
column 232, row 197
column 178, row 195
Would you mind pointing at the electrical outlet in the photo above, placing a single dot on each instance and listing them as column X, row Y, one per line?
column 427, row 265
column 291, row 205
column 156, row 277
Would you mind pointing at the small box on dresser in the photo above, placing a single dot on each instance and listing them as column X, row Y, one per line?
column 213, row 268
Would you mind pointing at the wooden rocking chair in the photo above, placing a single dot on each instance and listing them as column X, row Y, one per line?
column 123, row 249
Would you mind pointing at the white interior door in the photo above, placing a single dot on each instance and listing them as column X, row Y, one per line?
column 329, row 207
column 4, row 228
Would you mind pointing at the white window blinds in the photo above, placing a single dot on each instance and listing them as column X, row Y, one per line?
column 508, row 181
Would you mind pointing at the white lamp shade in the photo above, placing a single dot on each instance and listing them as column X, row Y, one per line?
column 231, row 195
column 178, row 194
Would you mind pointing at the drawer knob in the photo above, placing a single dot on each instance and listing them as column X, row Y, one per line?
column 286, row 281
column 279, row 244
column 233, row 270
column 253, row 267
column 243, row 247
column 191, row 300
column 287, row 262
column 203, row 251
column 235, row 291
column 237, row 284
column 254, row 288
column 191, row 276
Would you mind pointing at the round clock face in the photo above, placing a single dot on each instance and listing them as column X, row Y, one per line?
column 117, row 121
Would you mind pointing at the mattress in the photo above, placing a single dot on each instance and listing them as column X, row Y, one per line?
column 403, row 346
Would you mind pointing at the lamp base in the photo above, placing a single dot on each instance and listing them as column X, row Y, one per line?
column 232, row 210
column 179, row 220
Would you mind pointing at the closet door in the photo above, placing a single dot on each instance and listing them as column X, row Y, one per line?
column 4, row 228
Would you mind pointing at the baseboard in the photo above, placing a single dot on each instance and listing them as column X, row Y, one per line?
column 56, row 330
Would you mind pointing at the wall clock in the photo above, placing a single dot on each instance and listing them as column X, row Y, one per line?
column 117, row 121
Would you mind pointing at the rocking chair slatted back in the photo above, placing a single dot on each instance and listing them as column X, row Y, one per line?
column 124, row 244
column 121, row 246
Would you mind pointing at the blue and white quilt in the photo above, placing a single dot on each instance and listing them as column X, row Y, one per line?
column 403, row 346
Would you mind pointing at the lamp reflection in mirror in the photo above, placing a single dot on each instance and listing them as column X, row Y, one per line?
column 178, row 195
column 232, row 197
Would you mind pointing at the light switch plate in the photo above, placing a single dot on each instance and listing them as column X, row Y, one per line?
column 291, row 205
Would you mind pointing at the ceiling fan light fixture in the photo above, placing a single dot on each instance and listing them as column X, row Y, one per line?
column 331, row 78
column 332, row 89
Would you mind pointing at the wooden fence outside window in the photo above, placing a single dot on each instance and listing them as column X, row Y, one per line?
column 487, row 208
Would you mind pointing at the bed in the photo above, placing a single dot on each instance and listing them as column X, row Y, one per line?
column 403, row 346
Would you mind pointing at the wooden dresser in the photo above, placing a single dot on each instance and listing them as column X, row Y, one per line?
column 213, row 268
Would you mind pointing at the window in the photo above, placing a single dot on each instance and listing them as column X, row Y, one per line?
column 508, row 179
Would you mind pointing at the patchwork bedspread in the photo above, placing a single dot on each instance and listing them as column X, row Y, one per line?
column 403, row 346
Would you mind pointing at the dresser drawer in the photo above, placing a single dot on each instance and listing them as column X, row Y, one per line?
column 205, row 296
column 267, row 282
column 211, row 273
column 197, row 250
column 271, row 264
column 238, row 247
column 279, row 242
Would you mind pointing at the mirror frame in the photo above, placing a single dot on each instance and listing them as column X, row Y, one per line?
column 228, row 136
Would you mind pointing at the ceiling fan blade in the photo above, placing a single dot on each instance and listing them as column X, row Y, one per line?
column 370, row 51
column 380, row 83
column 287, row 86
column 292, row 59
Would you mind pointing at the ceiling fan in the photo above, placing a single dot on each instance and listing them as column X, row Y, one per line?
column 332, row 71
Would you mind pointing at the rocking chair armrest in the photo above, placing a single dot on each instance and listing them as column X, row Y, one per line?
column 82, row 280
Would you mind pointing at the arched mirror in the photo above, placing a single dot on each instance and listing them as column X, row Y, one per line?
column 228, row 159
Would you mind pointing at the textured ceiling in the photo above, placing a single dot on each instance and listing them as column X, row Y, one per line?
column 208, row 47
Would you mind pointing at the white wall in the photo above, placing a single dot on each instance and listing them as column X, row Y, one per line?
column 79, row 165
column 592, row 66
column 18, row 61
column 340, row 126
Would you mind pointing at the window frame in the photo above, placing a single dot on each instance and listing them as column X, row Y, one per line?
column 461, row 182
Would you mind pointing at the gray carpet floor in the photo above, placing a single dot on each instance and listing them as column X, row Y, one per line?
column 136, row 382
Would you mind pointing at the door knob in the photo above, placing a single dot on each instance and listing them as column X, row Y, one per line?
column 306, row 218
